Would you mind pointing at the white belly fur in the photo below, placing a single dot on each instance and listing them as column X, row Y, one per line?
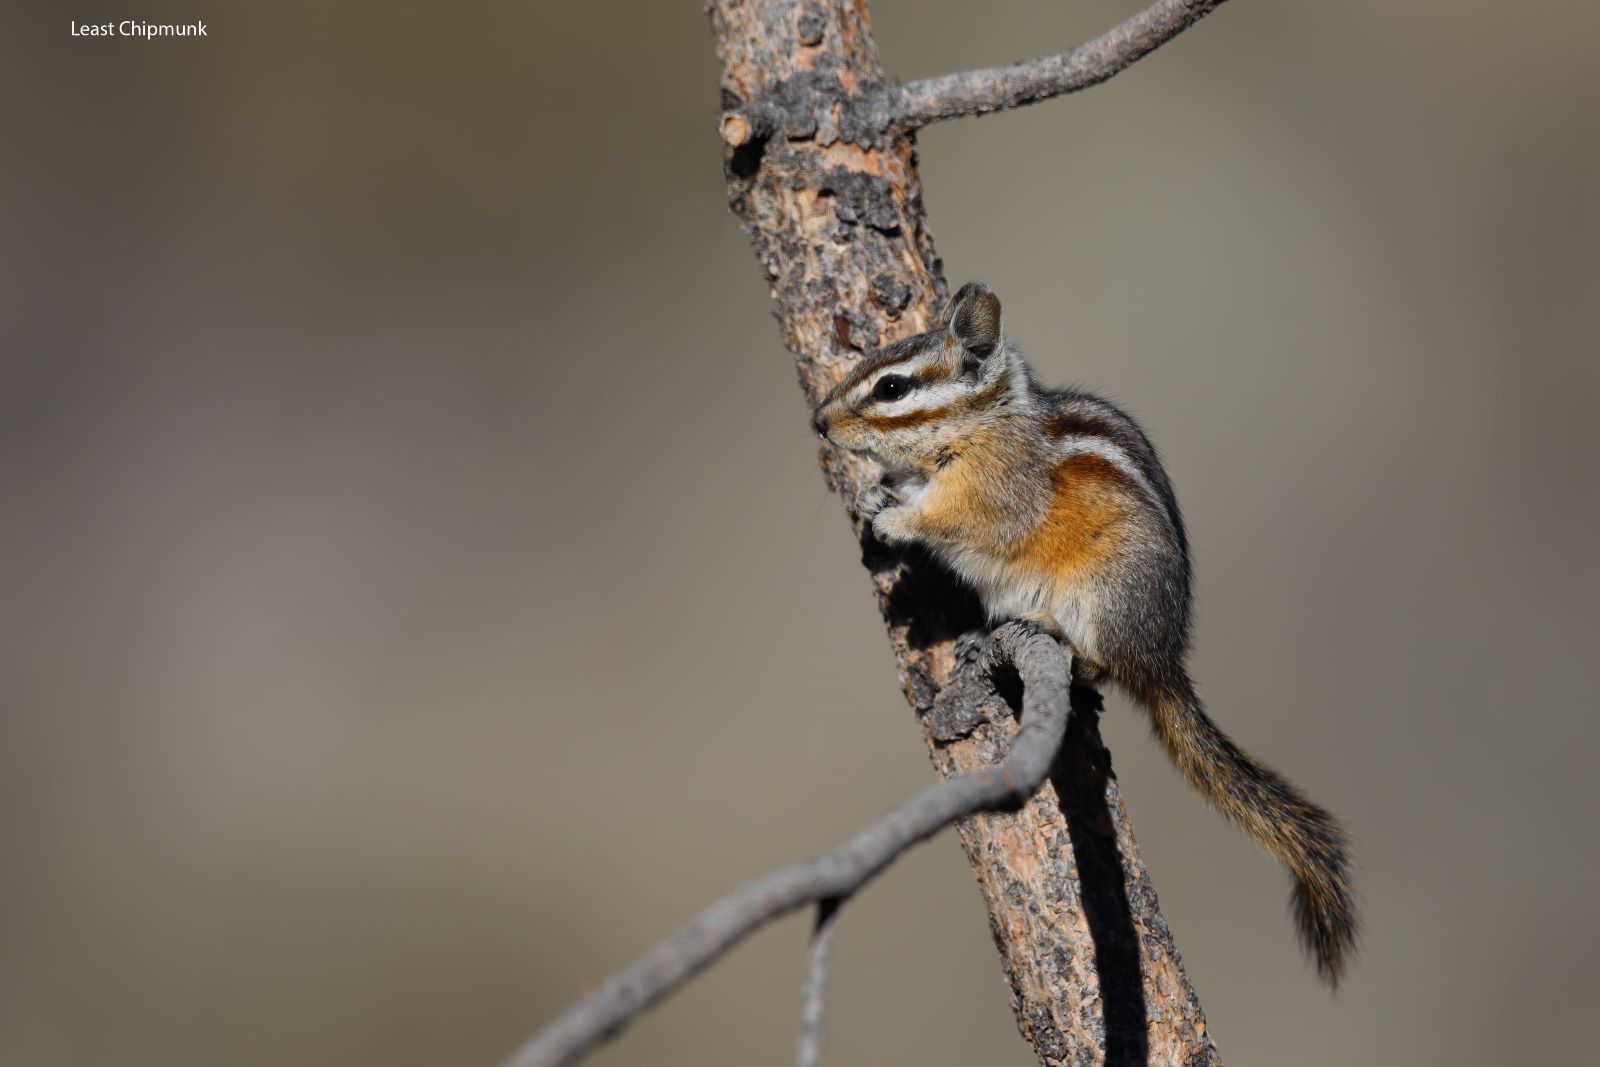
column 1008, row 594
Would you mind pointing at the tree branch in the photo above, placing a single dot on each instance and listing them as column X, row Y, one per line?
column 808, row 1047
column 978, row 92
column 815, row 104
column 834, row 210
column 1046, row 676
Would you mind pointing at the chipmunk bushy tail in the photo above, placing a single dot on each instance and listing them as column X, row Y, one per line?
column 1277, row 817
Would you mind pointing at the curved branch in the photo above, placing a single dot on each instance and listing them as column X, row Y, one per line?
column 1046, row 676
column 978, row 92
column 808, row 1047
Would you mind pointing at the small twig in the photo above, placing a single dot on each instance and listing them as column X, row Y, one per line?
column 808, row 1047
column 978, row 92
column 1046, row 677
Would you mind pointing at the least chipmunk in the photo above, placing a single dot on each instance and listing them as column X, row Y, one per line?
column 1054, row 507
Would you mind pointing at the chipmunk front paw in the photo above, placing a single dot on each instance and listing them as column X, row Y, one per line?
column 895, row 525
column 882, row 509
column 875, row 499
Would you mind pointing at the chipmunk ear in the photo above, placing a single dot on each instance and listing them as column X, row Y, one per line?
column 973, row 319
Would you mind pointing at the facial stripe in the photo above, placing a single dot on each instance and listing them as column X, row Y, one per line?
column 923, row 369
column 943, row 375
column 897, row 354
column 921, row 407
column 885, row 423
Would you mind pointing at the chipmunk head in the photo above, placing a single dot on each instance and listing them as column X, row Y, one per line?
column 905, row 404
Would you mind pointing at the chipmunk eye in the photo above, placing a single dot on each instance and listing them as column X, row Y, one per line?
column 891, row 387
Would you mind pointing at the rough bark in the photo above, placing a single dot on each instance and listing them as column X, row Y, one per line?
column 834, row 209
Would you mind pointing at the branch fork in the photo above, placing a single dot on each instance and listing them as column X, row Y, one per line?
column 818, row 105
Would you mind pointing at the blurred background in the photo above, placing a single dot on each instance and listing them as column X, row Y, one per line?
column 421, row 595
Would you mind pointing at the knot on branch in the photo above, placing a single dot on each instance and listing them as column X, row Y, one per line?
column 813, row 106
column 861, row 198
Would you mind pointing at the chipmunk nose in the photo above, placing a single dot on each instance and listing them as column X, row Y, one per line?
column 819, row 423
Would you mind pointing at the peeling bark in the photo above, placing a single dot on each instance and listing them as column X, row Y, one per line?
column 833, row 206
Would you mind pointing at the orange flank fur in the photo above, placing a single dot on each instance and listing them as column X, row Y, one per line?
column 1083, row 529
